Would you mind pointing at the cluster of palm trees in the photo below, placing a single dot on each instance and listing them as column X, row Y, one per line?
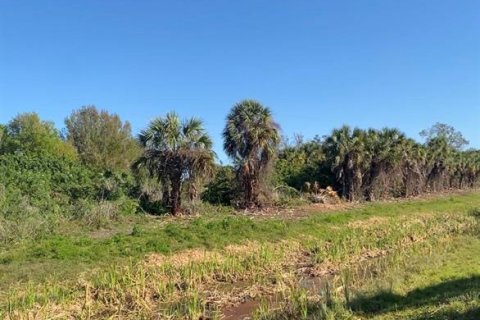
column 362, row 164
column 179, row 153
column 372, row 164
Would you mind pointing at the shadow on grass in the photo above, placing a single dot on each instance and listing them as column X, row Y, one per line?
column 475, row 212
column 473, row 314
column 433, row 295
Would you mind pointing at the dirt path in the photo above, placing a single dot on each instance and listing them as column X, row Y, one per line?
column 318, row 208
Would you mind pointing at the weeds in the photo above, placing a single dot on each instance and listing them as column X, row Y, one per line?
column 198, row 282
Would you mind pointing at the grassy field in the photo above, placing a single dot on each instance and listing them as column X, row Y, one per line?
column 442, row 282
column 414, row 259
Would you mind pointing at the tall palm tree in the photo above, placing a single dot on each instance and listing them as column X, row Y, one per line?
column 251, row 139
column 414, row 160
column 385, row 148
column 460, row 168
column 440, row 162
column 173, row 152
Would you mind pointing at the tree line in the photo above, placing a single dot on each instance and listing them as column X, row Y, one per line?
column 172, row 159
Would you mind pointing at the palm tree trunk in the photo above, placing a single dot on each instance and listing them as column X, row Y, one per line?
column 175, row 195
column 165, row 197
column 406, row 183
column 251, row 194
column 165, row 191
column 351, row 187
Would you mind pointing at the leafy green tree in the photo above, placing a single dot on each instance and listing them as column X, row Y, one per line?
column 28, row 133
column 454, row 138
column 174, row 152
column 251, row 139
column 302, row 162
column 101, row 139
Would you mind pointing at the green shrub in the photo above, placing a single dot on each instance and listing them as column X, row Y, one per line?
column 102, row 214
column 114, row 185
column 128, row 206
column 37, row 191
column 19, row 219
column 43, row 176
column 221, row 190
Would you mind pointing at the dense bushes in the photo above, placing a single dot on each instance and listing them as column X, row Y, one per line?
column 37, row 191
column 43, row 182
column 222, row 189
column 46, row 178
column 302, row 162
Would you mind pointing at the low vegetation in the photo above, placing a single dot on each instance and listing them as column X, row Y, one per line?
column 209, row 265
column 85, row 230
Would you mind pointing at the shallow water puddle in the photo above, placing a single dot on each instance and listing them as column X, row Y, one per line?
column 315, row 285
column 244, row 310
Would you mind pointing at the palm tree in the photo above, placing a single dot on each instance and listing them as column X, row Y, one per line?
column 251, row 139
column 385, row 149
column 173, row 152
column 473, row 170
column 346, row 151
column 414, row 159
column 465, row 169
column 460, row 169
column 440, row 162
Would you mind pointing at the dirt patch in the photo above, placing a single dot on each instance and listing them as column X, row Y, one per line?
column 298, row 212
column 317, row 208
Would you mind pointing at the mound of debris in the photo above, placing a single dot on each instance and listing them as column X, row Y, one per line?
column 327, row 195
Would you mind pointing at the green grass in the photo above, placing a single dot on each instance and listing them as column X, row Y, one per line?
column 436, row 279
column 413, row 284
column 66, row 254
column 60, row 271
column 445, row 285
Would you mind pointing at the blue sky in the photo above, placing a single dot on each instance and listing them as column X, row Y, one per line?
column 316, row 64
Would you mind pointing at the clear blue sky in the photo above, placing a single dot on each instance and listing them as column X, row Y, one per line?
column 316, row 64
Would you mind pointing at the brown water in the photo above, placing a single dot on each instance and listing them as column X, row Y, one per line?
column 244, row 310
